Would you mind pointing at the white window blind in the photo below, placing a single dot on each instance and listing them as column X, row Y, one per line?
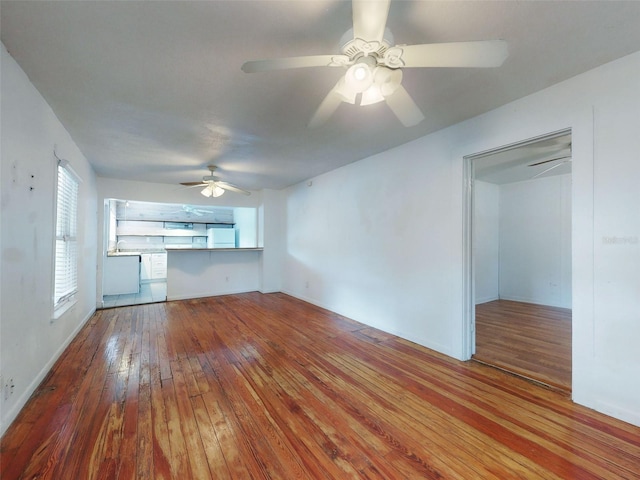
column 66, row 260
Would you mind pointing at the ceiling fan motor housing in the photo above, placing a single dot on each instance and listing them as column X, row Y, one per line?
column 354, row 47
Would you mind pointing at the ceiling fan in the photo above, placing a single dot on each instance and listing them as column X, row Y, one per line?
column 561, row 159
column 374, row 66
column 189, row 210
column 213, row 187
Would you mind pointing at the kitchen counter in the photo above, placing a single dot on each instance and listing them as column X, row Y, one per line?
column 219, row 249
column 127, row 253
column 205, row 272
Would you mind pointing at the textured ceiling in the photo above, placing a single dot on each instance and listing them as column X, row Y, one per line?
column 153, row 90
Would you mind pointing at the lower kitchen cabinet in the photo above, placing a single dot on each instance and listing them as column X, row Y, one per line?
column 154, row 267
column 121, row 275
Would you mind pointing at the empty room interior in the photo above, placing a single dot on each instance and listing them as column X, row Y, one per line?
column 521, row 236
column 319, row 239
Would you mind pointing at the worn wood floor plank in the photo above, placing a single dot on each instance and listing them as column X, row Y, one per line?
column 267, row 386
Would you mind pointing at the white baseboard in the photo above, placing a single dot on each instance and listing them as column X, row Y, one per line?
column 534, row 301
column 444, row 349
column 486, row 300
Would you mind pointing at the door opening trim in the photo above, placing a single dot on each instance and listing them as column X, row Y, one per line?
column 468, row 282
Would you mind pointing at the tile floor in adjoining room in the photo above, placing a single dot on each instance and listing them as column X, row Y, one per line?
column 149, row 293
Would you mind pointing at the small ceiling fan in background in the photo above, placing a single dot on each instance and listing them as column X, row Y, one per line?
column 374, row 66
column 189, row 210
column 213, row 187
column 561, row 159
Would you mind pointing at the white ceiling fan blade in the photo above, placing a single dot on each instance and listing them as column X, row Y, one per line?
column 404, row 107
column 549, row 161
column 294, row 62
column 370, row 19
column 200, row 212
column 232, row 188
column 192, row 184
column 328, row 106
column 489, row 53
column 550, row 168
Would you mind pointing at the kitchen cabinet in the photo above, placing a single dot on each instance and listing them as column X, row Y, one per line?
column 121, row 275
column 145, row 267
column 158, row 266
column 154, row 267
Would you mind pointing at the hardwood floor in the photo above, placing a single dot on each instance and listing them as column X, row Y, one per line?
column 527, row 339
column 266, row 386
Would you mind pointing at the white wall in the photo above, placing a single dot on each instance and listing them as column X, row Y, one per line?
column 374, row 240
column 535, row 241
column 486, row 241
column 381, row 240
column 272, row 238
column 30, row 341
column 246, row 220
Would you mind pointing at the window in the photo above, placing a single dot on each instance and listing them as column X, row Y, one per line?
column 66, row 248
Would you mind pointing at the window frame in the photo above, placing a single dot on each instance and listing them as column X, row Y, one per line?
column 65, row 229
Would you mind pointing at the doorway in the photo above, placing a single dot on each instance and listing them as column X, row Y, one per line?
column 520, row 215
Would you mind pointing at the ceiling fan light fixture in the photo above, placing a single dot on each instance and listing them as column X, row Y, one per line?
column 371, row 95
column 389, row 80
column 360, row 72
column 212, row 190
column 358, row 78
column 385, row 82
column 345, row 93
